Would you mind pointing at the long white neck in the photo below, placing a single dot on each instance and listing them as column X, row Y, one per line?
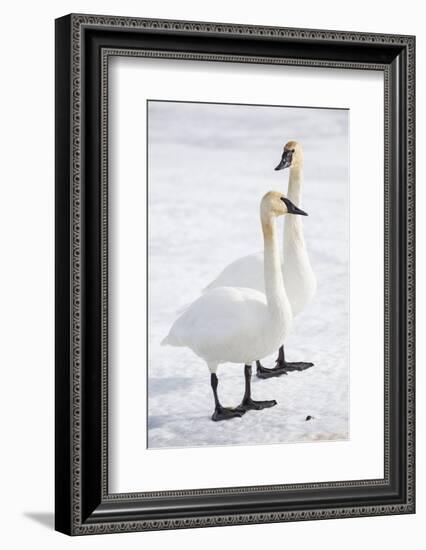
column 293, row 226
column 294, row 192
column 276, row 296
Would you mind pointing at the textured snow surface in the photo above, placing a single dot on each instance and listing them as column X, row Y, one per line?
column 209, row 166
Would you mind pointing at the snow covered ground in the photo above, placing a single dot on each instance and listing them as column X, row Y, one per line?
column 209, row 166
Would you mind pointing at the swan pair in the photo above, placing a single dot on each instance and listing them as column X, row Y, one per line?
column 246, row 313
column 299, row 278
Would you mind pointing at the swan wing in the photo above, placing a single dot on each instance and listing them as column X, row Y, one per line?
column 246, row 272
column 221, row 323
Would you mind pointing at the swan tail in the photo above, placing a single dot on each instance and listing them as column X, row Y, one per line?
column 171, row 340
column 183, row 308
column 211, row 286
column 167, row 341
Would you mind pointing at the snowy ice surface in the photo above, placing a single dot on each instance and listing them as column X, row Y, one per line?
column 209, row 166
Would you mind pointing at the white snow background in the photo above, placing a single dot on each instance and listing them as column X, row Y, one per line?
column 209, row 166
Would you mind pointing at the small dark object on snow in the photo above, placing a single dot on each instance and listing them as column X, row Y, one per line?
column 309, row 417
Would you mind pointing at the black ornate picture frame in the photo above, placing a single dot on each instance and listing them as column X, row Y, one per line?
column 84, row 44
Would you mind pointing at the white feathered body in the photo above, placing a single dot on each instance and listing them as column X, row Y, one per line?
column 246, row 272
column 230, row 325
column 299, row 278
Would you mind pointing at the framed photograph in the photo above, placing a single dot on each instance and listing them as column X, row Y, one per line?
column 234, row 274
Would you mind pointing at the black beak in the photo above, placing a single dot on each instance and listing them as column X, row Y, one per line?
column 292, row 208
column 285, row 161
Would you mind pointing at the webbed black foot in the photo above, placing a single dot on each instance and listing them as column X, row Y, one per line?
column 295, row 366
column 225, row 413
column 263, row 372
column 250, row 404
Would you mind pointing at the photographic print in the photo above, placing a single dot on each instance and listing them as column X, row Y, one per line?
column 248, row 274
column 234, row 274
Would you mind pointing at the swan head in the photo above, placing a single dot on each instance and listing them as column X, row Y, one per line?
column 292, row 156
column 277, row 204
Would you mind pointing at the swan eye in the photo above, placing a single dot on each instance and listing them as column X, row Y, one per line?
column 292, row 150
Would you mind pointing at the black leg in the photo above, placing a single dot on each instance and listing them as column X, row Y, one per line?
column 248, row 403
column 220, row 412
column 259, row 366
column 282, row 366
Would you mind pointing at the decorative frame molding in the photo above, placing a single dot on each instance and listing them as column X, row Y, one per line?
column 84, row 43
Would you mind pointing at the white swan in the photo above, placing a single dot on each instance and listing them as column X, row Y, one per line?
column 299, row 278
column 241, row 325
